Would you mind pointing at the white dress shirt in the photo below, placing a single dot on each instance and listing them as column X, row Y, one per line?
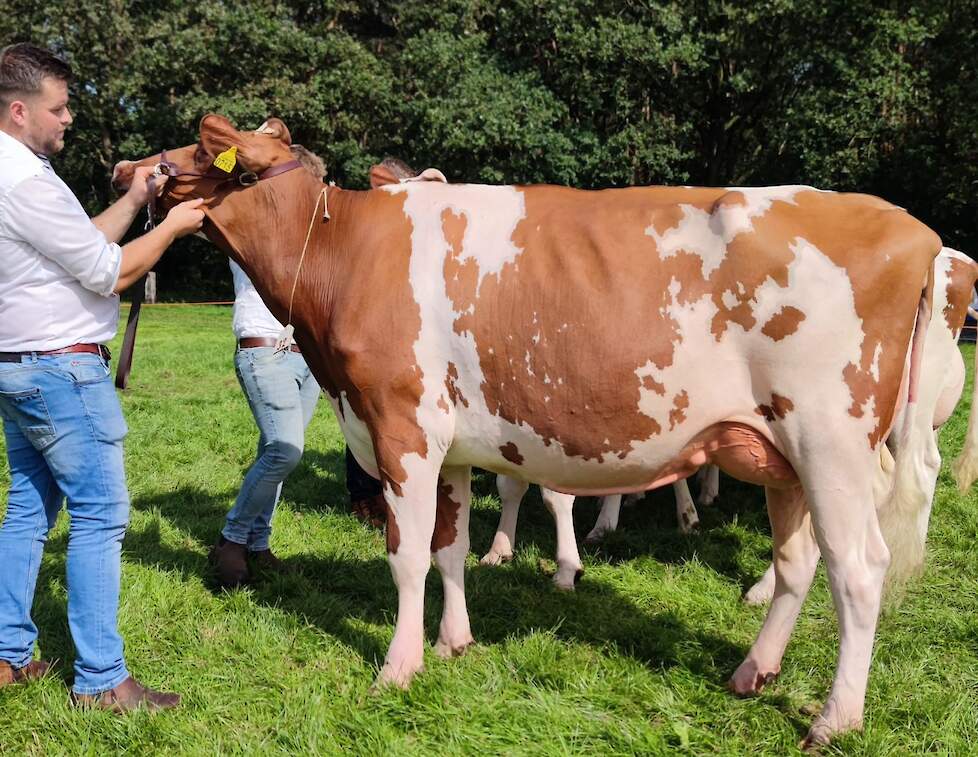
column 57, row 270
column 251, row 317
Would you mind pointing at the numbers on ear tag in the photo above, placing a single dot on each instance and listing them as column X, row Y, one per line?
column 284, row 340
column 227, row 159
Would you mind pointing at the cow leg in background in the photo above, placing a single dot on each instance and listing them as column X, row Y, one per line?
column 607, row 520
column 411, row 507
column 511, row 491
column 569, row 568
column 450, row 546
column 762, row 591
column 795, row 558
column 708, row 478
column 686, row 515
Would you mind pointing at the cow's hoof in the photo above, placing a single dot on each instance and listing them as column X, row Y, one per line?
column 455, row 648
column 759, row 594
column 689, row 526
column 749, row 680
column 495, row 558
column 399, row 676
column 595, row 537
column 823, row 730
column 566, row 579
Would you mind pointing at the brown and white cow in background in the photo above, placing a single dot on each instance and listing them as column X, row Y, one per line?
column 942, row 378
column 598, row 342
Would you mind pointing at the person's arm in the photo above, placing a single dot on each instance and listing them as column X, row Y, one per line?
column 116, row 219
column 140, row 255
column 45, row 215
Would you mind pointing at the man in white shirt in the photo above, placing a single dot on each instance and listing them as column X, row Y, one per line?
column 60, row 277
column 282, row 394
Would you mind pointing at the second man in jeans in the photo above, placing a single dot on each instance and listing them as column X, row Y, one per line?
column 282, row 393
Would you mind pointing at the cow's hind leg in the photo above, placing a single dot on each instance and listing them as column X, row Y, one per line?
column 795, row 559
column 450, row 546
column 569, row 568
column 607, row 520
column 511, row 492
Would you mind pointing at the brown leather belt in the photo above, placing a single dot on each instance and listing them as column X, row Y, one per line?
column 93, row 349
column 246, row 343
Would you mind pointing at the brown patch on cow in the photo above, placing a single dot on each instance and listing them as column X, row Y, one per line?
column 461, row 278
column 594, row 243
column 392, row 533
column 442, row 405
column 512, row 453
column 960, row 287
column 667, row 218
column 451, row 385
column 783, row 323
column 653, row 386
column 678, row 413
column 446, row 518
column 777, row 410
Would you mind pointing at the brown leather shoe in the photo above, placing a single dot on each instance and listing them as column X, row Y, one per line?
column 30, row 672
column 230, row 563
column 265, row 561
column 127, row 696
column 372, row 510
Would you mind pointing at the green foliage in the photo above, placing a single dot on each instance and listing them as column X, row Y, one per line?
column 855, row 95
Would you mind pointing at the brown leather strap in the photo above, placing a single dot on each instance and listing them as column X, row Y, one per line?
column 129, row 339
column 248, row 342
column 87, row 347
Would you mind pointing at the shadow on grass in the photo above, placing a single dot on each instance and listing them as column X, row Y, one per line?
column 339, row 594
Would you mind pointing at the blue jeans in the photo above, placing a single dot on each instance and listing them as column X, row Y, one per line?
column 64, row 429
column 282, row 394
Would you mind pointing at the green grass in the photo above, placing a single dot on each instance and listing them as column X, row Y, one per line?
column 634, row 662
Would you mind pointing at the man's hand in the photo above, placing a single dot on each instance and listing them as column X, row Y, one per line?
column 139, row 190
column 185, row 218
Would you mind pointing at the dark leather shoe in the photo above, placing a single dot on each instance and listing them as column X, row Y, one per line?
column 30, row 672
column 372, row 510
column 230, row 563
column 127, row 696
column 265, row 561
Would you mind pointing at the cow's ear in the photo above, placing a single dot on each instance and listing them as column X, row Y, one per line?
column 276, row 127
column 381, row 175
column 217, row 134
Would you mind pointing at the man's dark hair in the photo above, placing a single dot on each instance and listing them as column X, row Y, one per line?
column 23, row 68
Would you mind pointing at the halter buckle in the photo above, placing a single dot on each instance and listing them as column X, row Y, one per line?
column 248, row 179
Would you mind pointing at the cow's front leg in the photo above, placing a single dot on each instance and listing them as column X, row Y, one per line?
column 686, row 515
column 709, row 481
column 795, row 558
column 410, row 526
column 511, row 492
column 450, row 546
column 607, row 520
column 569, row 568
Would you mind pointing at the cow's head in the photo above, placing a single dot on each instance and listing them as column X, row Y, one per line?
column 195, row 170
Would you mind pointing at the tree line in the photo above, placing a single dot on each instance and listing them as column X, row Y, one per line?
column 853, row 95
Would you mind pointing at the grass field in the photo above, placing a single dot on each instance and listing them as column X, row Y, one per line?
column 634, row 662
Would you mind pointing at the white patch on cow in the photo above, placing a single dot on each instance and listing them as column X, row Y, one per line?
column 729, row 299
column 707, row 234
column 874, row 369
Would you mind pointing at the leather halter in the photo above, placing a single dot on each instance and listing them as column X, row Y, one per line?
column 172, row 171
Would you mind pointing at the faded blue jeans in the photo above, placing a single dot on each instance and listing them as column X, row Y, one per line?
column 64, row 429
column 282, row 394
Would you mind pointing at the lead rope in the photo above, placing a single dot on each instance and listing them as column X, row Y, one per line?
column 284, row 340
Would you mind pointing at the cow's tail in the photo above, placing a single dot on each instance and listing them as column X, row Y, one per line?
column 965, row 467
column 903, row 515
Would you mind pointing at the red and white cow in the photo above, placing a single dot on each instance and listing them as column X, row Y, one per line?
column 596, row 342
column 942, row 377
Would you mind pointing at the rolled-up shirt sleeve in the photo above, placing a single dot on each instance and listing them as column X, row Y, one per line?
column 46, row 215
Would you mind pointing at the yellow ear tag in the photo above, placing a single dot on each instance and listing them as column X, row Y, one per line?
column 227, row 159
